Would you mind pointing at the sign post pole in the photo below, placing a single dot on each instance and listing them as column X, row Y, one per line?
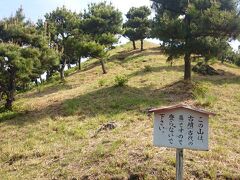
column 181, row 127
column 179, row 164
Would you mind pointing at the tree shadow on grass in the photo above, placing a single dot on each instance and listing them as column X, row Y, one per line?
column 155, row 69
column 225, row 78
column 108, row 101
column 122, row 55
column 128, row 55
column 60, row 86
column 92, row 65
column 115, row 100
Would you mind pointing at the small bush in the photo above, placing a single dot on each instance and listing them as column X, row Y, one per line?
column 71, row 71
column 55, row 78
column 6, row 115
column 121, row 80
column 40, row 88
column 102, row 82
column 238, row 97
column 204, row 69
column 147, row 68
column 202, row 95
column 200, row 90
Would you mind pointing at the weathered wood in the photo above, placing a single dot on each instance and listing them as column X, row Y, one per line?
column 181, row 128
column 179, row 164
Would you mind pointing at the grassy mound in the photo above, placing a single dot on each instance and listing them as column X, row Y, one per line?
column 56, row 131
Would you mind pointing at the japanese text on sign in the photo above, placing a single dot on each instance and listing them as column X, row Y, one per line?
column 181, row 129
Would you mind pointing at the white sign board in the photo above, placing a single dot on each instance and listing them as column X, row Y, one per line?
column 182, row 129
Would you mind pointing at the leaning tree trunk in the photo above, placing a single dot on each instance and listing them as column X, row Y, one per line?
column 48, row 75
column 11, row 91
column 1, row 96
column 187, row 66
column 134, row 45
column 62, row 75
column 103, row 66
column 36, row 82
column 79, row 64
column 141, row 44
column 69, row 66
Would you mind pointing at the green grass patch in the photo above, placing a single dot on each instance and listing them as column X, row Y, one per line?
column 111, row 100
column 203, row 96
column 55, row 136
column 7, row 115
column 104, row 150
column 102, row 82
column 120, row 80
column 238, row 97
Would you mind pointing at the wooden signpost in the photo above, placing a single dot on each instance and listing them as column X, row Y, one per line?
column 181, row 127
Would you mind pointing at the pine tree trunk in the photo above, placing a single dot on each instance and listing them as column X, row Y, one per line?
column 36, row 82
column 187, row 57
column 187, row 67
column 48, row 75
column 9, row 100
column 103, row 66
column 62, row 75
column 79, row 64
column 1, row 96
column 11, row 91
column 69, row 66
column 141, row 44
column 134, row 45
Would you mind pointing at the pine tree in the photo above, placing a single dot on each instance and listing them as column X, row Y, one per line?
column 138, row 25
column 195, row 27
column 61, row 25
column 102, row 23
column 22, row 55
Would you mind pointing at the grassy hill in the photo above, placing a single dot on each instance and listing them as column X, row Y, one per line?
column 55, row 130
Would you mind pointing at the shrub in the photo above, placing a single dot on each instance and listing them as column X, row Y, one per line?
column 102, row 82
column 202, row 95
column 238, row 97
column 204, row 69
column 121, row 80
column 71, row 71
column 147, row 68
column 40, row 88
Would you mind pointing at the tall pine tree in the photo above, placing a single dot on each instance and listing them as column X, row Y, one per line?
column 137, row 26
column 102, row 23
column 23, row 51
column 62, row 24
column 195, row 27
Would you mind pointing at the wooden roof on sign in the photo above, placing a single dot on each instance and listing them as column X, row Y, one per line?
column 180, row 106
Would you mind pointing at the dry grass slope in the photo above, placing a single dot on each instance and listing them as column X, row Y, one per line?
column 52, row 133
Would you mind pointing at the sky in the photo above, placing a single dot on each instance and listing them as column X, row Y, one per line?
column 36, row 9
